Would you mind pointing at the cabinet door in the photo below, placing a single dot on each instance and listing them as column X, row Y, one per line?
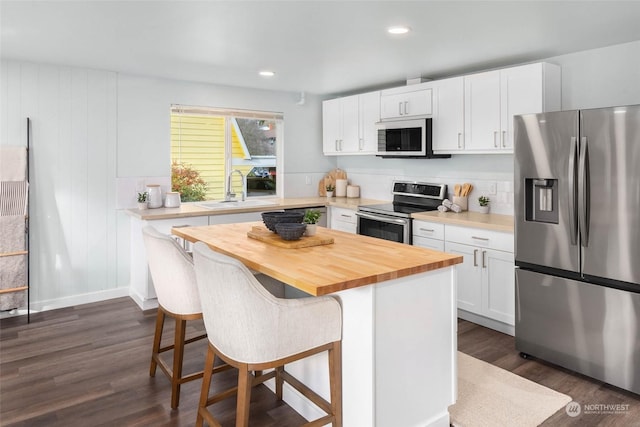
column 406, row 105
column 521, row 92
column 331, row 126
column 448, row 122
column 343, row 220
column 498, row 286
column 482, row 111
column 350, row 139
column 424, row 242
column 369, row 116
column 469, row 276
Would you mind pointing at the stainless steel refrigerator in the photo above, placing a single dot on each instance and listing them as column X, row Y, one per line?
column 577, row 231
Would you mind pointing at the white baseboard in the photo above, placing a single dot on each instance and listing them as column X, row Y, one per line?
column 144, row 304
column 52, row 304
column 487, row 323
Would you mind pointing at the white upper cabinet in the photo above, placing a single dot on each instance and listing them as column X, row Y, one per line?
column 348, row 124
column 492, row 99
column 369, row 115
column 471, row 114
column 448, row 115
column 406, row 102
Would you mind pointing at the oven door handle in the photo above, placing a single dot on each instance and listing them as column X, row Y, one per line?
column 383, row 218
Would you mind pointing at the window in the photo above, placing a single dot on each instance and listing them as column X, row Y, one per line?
column 215, row 142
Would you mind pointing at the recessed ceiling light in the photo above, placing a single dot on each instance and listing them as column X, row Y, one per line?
column 398, row 29
column 267, row 73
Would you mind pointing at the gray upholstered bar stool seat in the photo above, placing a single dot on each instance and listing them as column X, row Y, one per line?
column 175, row 285
column 252, row 330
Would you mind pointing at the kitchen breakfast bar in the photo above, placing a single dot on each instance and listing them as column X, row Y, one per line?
column 399, row 320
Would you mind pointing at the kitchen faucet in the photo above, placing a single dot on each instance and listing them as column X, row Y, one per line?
column 230, row 195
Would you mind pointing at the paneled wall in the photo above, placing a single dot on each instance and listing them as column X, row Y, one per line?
column 72, row 177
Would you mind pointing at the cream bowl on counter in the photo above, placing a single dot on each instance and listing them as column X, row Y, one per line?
column 172, row 200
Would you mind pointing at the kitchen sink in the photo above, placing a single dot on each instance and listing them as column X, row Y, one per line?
column 227, row 204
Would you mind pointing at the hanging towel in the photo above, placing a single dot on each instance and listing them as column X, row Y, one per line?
column 13, row 271
column 13, row 163
column 14, row 196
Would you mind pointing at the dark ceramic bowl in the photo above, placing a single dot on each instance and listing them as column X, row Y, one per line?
column 270, row 219
column 290, row 231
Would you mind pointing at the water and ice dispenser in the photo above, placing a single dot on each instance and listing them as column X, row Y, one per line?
column 541, row 200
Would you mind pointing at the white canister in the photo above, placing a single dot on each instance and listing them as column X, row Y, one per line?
column 154, row 196
column 353, row 191
column 341, row 188
column 172, row 200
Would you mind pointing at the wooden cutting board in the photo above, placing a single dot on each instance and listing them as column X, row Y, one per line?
column 330, row 178
column 262, row 234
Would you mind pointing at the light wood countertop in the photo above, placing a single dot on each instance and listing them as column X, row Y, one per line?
column 489, row 221
column 192, row 209
column 352, row 261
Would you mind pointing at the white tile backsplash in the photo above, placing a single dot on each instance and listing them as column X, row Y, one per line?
column 378, row 186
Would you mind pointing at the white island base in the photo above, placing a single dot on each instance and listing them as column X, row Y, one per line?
column 399, row 348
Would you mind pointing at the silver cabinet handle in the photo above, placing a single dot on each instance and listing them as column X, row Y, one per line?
column 360, row 144
column 406, row 107
column 484, row 264
column 504, row 134
column 459, row 139
column 475, row 257
column 427, row 229
column 495, row 139
column 480, row 238
column 346, row 216
column 400, row 108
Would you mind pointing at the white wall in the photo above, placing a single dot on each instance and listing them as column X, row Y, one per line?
column 72, row 169
column 590, row 79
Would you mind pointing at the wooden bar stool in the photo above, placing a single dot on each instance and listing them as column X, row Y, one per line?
column 253, row 331
column 175, row 285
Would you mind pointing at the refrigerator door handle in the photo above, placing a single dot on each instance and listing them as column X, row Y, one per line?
column 583, row 192
column 573, row 218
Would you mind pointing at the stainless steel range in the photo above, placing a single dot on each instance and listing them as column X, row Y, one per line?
column 392, row 221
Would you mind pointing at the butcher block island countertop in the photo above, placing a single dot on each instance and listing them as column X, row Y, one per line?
column 350, row 262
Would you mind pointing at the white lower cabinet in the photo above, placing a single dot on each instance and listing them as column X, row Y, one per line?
column 343, row 219
column 486, row 278
column 428, row 235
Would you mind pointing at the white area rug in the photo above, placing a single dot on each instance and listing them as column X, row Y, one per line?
column 489, row 396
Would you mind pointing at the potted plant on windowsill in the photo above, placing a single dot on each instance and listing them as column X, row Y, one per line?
column 142, row 200
column 311, row 218
column 330, row 189
column 484, row 204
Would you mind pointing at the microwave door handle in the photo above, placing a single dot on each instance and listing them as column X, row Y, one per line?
column 573, row 218
column 382, row 219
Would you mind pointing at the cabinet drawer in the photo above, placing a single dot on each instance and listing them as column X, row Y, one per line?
column 424, row 242
column 344, row 215
column 431, row 230
column 479, row 237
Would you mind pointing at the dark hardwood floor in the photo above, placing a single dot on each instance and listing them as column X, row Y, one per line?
column 88, row 366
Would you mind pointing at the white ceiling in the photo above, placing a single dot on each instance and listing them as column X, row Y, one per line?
column 322, row 47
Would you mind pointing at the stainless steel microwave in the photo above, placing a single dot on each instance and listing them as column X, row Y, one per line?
column 407, row 139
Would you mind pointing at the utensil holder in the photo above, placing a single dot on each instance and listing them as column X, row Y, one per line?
column 463, row 202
